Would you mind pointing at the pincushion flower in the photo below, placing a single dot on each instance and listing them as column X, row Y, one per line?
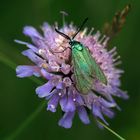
column 52, row 61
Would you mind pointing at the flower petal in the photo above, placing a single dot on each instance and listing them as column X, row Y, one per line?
column 108, row 112
column 122, row 94
column 65, row 68
column 46, row 74
column 53, row 102
column 97, row 112
column 107, row 103
column 70, row 105
column 48, row 32
column 33, row 57
column 60, row 85
column 63, row 102
column 44, row 90
column 66, row 120
column 48, row 97
column 30, row 46
column 79, row 99
column 26, row 71
column 31, row 32
column 83, row 115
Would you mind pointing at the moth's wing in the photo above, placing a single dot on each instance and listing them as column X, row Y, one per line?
column 83, row 82
column 83, row 79
column 96, row 70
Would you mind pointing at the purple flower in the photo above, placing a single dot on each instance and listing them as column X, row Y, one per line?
column 57, row 69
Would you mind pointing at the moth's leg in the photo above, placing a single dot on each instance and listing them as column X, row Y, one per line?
column 63, row 50
column 39, row 56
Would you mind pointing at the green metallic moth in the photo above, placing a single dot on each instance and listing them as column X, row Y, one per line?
column 86, row 70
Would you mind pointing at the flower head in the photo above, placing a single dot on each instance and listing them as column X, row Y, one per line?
column 52, row 61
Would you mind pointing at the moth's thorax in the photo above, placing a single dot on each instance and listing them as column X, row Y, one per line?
column 76, row 45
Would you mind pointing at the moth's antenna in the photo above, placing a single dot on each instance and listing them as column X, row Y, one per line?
column 80, row 28
column 62, row 34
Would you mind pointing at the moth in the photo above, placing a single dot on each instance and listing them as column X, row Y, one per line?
column 86, row 70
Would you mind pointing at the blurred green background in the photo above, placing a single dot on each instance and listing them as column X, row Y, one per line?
column 17, row 96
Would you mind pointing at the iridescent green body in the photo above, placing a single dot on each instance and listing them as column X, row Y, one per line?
column 86, row 70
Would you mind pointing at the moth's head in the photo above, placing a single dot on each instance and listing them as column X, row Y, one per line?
column 73, row 42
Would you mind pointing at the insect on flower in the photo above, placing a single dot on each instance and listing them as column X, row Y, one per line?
column 82, row 77
column 85, row 67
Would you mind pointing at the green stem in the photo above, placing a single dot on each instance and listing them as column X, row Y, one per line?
column 110, row 130
column 7, row 61
column 4, row 59
column 27, row 121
